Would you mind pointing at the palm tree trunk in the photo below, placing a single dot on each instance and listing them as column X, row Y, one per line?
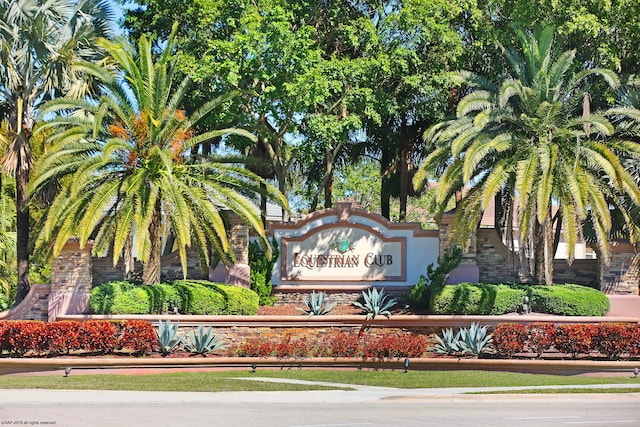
column 539, row 253
column 22, row 231
column 548, row 250
column 151, row 268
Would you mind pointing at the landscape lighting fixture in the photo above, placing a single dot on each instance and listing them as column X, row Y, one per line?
column 406, row 364
column 67, row 371
column 636, row 371
column 525, row 305
column 253, row 368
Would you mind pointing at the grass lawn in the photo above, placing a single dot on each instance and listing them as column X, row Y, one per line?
column 226, row 380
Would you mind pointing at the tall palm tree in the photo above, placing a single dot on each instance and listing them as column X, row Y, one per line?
column 39, row 42
column 532, row 139
column 129, row 175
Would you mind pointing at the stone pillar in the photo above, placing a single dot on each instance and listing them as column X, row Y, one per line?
column 446, row 228
column 71, row 280
column 237, row 274
column 467, row 271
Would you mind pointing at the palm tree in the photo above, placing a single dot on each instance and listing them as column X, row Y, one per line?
column 531, row 139
column 129, row 178
column 39, row 42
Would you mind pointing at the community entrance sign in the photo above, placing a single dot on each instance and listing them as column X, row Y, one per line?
column 349, row 252
column 349, row 246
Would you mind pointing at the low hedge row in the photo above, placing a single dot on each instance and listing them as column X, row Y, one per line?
column 495, row 299
column 613, row 341
column 192, row 296
column 34, row 338
column 339, row 344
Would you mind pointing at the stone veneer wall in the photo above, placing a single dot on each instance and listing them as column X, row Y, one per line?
column 622, row 276
column 71, row 280
column 236, row 334
column 341, row 298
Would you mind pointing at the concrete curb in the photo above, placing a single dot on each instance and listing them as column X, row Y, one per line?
column 559, row 367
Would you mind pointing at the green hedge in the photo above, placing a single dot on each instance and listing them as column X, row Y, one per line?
column 494, row 299
column 193, row 297
column 569, row 300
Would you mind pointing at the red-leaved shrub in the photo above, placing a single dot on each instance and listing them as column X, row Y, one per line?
column 61, row 337
column 574, row 339
column 98, row 336
column 541, row 337
column 613, row 339
column 510, row 338
column 341, row 344
column 137, row 337
column 25, row 336
column 255, row 347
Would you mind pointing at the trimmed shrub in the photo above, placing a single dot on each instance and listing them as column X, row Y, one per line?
column 494, row 299
column 613, row 339
column 35, row 338
column 541, row 337
column 198, row 299
column 22, row 337
column 119, row 298
column 476, row 298
column 193, row 297
column 574, row 339
column 62, row 338
column 238, row 300
column 509, row 338
column 137, row 337
column 96, row 336
column 339, row 344
column 569, row 300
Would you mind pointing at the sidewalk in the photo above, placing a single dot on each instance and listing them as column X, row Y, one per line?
column 624, row 306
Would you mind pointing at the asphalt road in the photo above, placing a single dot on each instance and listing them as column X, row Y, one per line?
column 367, row 406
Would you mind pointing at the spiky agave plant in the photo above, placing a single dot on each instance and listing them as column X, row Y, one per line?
column 316, row 304
column 475, row 340
column 375, row 303
column 168, row 338
column 448, row 343
column 203, row 341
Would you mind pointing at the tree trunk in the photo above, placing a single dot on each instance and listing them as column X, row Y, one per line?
column 385, row 191
column 539, row 253
column 22, row 230
column 404, row 182
column 282, row 186
column 548, row 250
column 263, row 204
column 151, row 268
column 328, row 191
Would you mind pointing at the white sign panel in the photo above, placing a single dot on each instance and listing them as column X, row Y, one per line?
column 344, row 252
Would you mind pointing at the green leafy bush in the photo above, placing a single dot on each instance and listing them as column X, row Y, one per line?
column 419, row 295
column 569, row 300
column 192, row 297
column 495, row 299
column 261, row 268
column 119, row 298
column 476, row 298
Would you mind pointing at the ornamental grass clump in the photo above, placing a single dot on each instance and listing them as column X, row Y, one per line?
column 375, row 303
